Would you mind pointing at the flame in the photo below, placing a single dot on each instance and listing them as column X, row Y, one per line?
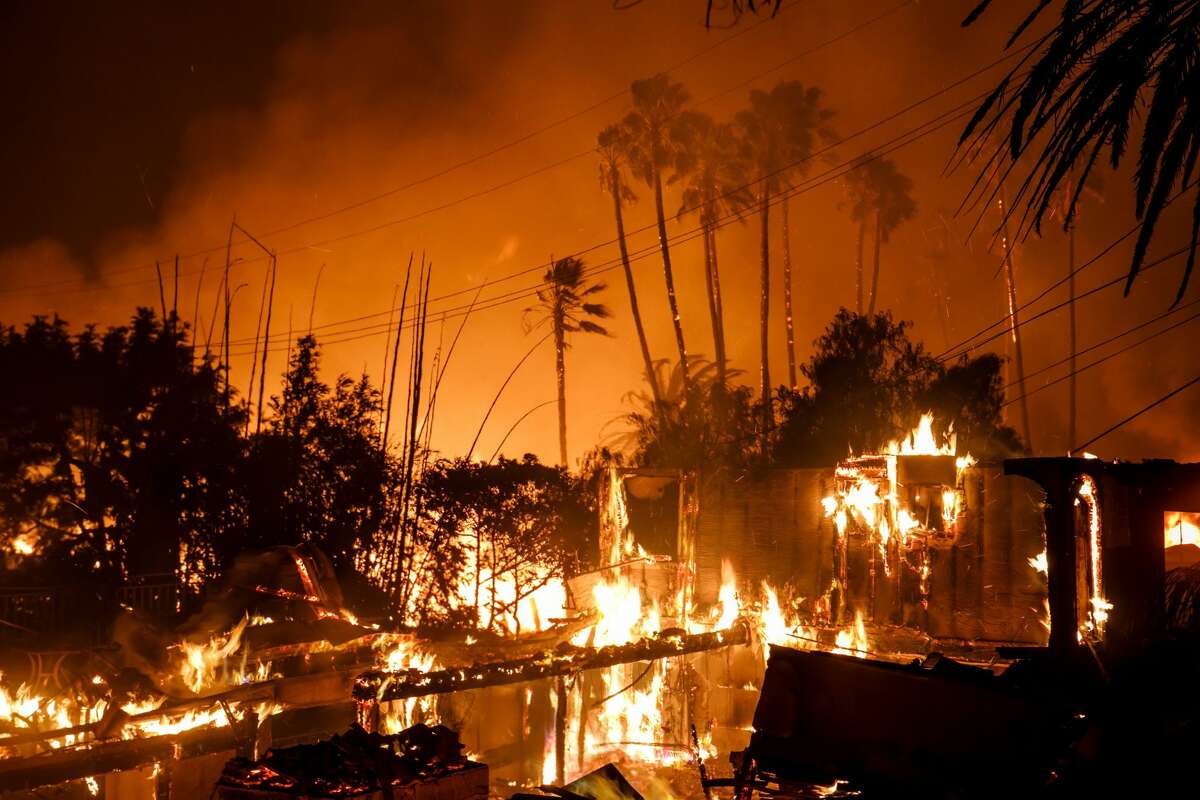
column 727, row 600
column 1040, row 563
column 1098, row 605
column 201, row 661
column 25, row 544
column 853, row 641
column 921, row 441
column 1180, row 527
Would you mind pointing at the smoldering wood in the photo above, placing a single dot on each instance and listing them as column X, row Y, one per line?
column 21, row 774
column 382, row 686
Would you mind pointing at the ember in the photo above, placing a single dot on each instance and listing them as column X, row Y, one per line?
column 358, row 763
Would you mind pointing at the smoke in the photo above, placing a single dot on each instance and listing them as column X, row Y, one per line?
column 379, row 98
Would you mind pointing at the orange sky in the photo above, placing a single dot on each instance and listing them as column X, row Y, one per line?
column 357, row 109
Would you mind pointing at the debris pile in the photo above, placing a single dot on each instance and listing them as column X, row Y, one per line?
column 358, row 763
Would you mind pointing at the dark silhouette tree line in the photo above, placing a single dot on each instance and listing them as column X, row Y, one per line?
column 122, row 461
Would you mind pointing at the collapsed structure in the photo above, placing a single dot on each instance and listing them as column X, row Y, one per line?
column 858, row 582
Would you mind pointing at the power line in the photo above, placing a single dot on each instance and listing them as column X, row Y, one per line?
column 1137, row 414
column 483, row 156
column 964, row 344
column 1065, row 303
column 915, row 134
column 1109, row 340
column 956, row 111
column 1102, row 359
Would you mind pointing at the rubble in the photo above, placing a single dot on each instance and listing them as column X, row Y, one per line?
column 357, row 764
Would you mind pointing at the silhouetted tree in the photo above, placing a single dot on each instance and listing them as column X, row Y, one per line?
column 563, row 304
column 115, row 452
column 1081, row 90
column 652, row 150
column 879, row 192
column 515, row 522
column 614, row 160
column 315, row 473
column 869, row 384
column 712, row 170
column 780, row 129
column 710, row 428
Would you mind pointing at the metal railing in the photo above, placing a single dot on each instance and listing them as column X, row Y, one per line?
column 86, row 611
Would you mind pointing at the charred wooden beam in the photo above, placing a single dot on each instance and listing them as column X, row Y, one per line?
column 379, row 686
column 60, row 766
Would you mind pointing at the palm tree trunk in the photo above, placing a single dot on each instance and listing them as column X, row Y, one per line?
column 711, row 291
column 1013, row 322
column 858, row 264
column 561, row 372
column 1071, row 314
column 764, row 305
column 669, row 275
column 787, row 296
column 875, row 275
column 722, row 353
column 647, row 362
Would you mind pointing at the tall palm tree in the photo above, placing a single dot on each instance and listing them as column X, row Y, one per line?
column 893, row 206
column 613, row 149
column 780, row 128
column 563, row 304
column 657, row 103
column 1105, row 68
column 713, row 173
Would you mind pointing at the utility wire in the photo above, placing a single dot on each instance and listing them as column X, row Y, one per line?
column 1137, row 414
column 1109, row 340
column 913, row 135
column 965, row 344
column 1064, row 304
column 513, row 181
column 1102, row 359
column 498, row 149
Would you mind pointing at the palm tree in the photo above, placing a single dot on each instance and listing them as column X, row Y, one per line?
column 713, row 174
column 1085, row 83
column 893, row 206
column 651, row 149
column 564, row 305
column 612, row 148
column 780, row 128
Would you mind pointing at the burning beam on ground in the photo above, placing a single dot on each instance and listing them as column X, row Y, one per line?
column 378, row 686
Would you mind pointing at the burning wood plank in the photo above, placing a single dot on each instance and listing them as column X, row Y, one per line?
column 379, row 686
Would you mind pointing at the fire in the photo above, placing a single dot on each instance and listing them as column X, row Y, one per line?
column 202, row 661
column 921, row 441
column 1040, row 563
column 853, row 641
column 1098, row 605
column 25, row 544
column 1181, row 527
column 727, row 600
